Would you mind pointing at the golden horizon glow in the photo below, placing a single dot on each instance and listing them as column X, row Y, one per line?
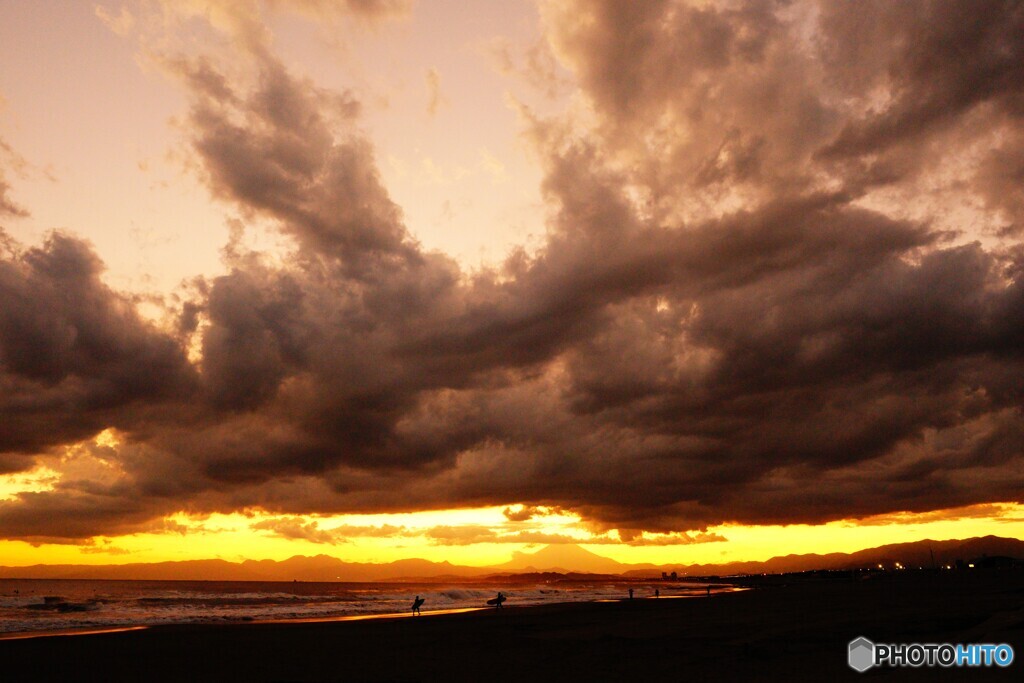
column 232, row 537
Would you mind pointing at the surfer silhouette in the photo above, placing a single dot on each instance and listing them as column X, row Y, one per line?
column 630, row 593
column 497, row 601
column 657, row 592
column 416, row 604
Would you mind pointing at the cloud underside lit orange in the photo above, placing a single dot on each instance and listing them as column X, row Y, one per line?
column 769, row 295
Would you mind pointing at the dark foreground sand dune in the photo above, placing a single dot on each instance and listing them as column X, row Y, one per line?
column 797, row 631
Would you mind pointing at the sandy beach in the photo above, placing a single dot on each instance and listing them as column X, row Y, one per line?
column 784, row 630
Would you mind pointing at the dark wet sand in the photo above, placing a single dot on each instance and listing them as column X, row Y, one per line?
column 797, row 631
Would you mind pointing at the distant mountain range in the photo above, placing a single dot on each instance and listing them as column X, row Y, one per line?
column 923, row 554
column 553, row 558
column 567, row 558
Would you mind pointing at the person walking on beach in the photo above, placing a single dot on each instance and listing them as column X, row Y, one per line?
column 657, row 592
column 709, row 590
column 630, row 593
column 416, row 604
column 498, row 600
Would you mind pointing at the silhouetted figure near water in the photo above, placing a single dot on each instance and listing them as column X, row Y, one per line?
column 630, row 593
column 657, row 592
column 709, row 590
column 497, row 601
column 416, row 604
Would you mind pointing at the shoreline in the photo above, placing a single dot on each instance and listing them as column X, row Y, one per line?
column 99, row 613
column 92, row 631
column 98, row 630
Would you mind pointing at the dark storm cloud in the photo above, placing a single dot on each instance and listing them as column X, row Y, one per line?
column 75, row 357
column 524, row 513
column 725, row 322
column 50, row 518
column 1000, row 179
column 714, row 99
column 936, row 61
column 282, row 159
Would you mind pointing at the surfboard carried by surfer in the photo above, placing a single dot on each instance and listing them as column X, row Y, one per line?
column 497, row 601
column 416, row 604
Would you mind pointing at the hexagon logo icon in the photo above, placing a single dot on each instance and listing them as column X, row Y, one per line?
column 861, row 654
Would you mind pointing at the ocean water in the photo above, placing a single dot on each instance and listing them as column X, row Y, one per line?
column 98, row 604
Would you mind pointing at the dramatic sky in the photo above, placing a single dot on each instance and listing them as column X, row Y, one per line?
column 686, row 281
